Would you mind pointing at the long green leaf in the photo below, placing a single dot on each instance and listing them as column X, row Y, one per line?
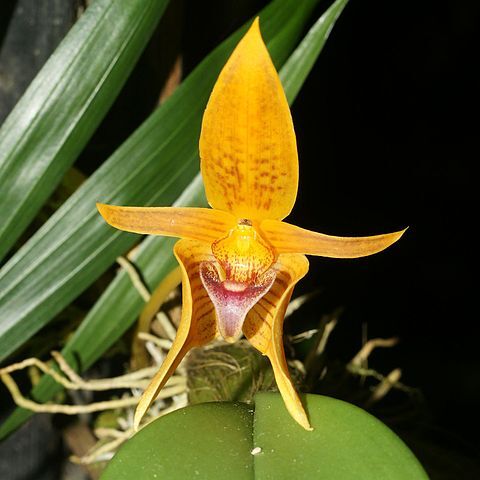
column 301, row 61
column 75, row 246
column 61, row 109
column 120, row 305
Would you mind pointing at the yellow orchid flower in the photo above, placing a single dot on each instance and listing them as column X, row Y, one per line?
column 239, row 260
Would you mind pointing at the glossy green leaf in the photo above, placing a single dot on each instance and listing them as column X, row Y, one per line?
column 61, row 109
column 347, row 443
column 120, row 305
column 153, row 166
column 205, row 441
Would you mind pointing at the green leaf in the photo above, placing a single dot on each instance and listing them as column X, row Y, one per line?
column 301, row 61
column 347, row 443
column 120, row 305
column 61, row 109
column 215, row 439
column 75, row 246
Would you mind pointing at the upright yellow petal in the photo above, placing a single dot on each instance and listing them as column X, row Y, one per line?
column 263, row 328
column 202, row 224
column 247, row 145
column 286, row 238
column 197, row 325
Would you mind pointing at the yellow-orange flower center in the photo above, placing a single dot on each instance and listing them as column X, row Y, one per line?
column 243, row 254
column 241, row 275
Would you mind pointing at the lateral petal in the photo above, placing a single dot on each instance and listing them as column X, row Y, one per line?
column 197, row 325
column 287, row 238
column 202, row 224
column 263, row 327
column 247, row 145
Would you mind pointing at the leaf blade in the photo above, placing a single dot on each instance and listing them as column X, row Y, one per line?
column 344, row 436
column 60, row 110
column 300, row 63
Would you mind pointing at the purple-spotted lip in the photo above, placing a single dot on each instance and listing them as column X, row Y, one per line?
column 233, row 300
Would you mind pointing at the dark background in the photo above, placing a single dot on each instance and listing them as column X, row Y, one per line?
column 387, row 135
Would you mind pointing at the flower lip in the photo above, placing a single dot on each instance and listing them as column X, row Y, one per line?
column 233, row 300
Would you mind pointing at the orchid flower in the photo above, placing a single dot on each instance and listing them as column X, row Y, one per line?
column 239, row 260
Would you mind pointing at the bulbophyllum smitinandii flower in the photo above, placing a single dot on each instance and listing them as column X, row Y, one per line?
column 239, row 260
